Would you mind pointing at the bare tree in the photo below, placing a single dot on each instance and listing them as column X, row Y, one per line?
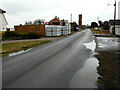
column 28, row 23
column 38, row 21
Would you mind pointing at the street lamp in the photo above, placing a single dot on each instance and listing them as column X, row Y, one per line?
column 114, row 18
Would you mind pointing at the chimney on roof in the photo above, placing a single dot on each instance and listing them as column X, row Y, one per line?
column 55, row 16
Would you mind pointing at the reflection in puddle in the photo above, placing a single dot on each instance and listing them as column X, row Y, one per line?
column 108, row 43
column 87, row 76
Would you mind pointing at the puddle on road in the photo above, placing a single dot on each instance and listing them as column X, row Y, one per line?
column 87, row 76
column 91, row 45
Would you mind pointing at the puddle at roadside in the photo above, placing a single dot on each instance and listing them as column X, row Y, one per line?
column 108, row 43
column 87, row 76
column 20, row 52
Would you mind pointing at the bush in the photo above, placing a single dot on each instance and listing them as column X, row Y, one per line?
column 17, row 36
column 31, row 35
column 11, row 34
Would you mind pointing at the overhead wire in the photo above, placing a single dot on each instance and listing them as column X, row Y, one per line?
column 105, row 8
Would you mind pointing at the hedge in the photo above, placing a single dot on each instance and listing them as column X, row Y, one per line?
column 17, row 36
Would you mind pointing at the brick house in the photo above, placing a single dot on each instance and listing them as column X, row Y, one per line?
column 55, row 21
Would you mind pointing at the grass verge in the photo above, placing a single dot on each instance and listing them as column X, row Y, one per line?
column 18, row 46
column 97, row 31
column 73, row 32
column 109, row 69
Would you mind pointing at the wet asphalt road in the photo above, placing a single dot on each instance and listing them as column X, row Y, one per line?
column 48, row 66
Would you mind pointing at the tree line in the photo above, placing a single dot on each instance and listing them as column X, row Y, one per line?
column 105, row 25
column 35, row 22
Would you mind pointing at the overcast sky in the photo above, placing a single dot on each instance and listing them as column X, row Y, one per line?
column 19, row 11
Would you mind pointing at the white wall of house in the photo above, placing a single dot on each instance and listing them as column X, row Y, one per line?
column 3, row 22
column 117, row 29
column 111, row 26
column 12, row 29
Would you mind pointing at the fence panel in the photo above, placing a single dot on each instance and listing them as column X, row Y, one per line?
column 54, row 30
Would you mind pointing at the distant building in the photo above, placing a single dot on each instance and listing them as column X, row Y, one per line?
column 117, row 23
column 3, row 21
column 57, row 21
column 119, row 10
column 46, row 23
column 10, row 29
column 117, row 26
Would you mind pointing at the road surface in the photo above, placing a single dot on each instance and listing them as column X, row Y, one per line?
column 48, row 66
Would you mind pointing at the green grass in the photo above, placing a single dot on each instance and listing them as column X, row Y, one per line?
column 18, row 46
column 73, row 32
column 95, row 30
column 82, row 29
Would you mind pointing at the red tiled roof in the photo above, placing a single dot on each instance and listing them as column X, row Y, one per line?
column 56, row 20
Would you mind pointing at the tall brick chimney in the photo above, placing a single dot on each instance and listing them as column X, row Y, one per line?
column 80, row 20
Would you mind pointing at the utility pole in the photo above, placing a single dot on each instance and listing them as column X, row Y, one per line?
column 97, row 18
column 114, row 18
column 71, row 22
column 71, row 18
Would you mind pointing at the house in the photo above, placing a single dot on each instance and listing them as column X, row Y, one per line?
column 116, row 22
column 3, row 21
column 117, row 26
column 55, row 21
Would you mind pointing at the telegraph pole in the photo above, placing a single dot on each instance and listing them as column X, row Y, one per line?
column 71, row 17
column 114, row 18
column 71, row 22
